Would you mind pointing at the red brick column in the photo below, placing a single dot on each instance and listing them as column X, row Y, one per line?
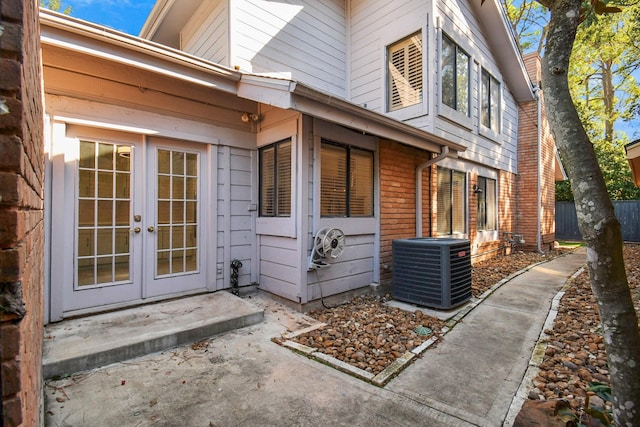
column 398, row 198
column 532, row 156
column 21, row 213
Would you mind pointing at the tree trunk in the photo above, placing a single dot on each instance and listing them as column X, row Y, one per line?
column 596, row 219
column 608, row 95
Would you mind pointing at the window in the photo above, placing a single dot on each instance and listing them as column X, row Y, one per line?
column 490, row 96
column 455, row 68
column 275, row 179
column 347, row 181
column 486, row 193
column 405, row 72
column 451, row 202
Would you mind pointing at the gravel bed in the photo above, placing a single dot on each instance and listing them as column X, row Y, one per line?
column 575, row 353
column 369, row 335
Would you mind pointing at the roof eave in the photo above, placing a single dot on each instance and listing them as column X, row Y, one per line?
column 81, row 36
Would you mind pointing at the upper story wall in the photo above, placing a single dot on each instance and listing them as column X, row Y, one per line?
column 300, row 39
column 377, row 24
column 340, row 46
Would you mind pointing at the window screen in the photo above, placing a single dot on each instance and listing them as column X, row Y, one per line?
column 451, row 202
column 275, row 179
column 490, row 106
column 486, row 194
column 346, row 181
column 455, row 68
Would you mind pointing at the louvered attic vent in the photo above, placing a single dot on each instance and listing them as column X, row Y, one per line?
column 432, row 272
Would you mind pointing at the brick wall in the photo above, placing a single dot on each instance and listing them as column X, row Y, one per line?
column 21, row 215
column 529, row 185
column 398, row 198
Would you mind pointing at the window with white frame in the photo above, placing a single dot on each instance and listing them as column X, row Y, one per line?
column 486, row 195
column 405, row 72
column 490, row 101
column 451, row 202
column 455, row 72
column 346, row 188
column 275, row 179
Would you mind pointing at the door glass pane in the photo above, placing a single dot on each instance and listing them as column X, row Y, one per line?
column 86, row 242
column 87, row 185
column 86, row 271
column 105, row 241
column 105, row 212
column 123, row 154
column 177, row 162
column 86, row 213
column 190, row 213
column 164, row 187
column 122, row 212
column 122, row 268
column 104, row 269
column 178, row 212
column 164, row 237
column 176, row 207
column 192, row 164
column 162, row 263
column 122, row 241
column 164, row 212
column 122, row 185
column 105, row 156
column 103, row 222
column 87, row 154
column 105, row 184
column 177, row 261
column 164, row 161
column 178, row 188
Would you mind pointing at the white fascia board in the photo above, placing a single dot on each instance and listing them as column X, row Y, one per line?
column 292, row 95
column 266, row 90
column 101, row 42
column 337, row 110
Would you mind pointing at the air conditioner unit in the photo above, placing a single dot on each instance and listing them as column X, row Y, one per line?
column 432, row 272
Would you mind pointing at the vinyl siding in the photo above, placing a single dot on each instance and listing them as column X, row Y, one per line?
column 206, row 34
column 458, row 22
column 375, row 25
column 235, row 229
column 291, row 38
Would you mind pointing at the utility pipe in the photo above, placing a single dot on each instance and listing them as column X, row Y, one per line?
column 537, row 91
column 444, row 153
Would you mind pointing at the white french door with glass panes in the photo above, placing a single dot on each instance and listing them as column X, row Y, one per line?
column 136, row 223
column 174, row 249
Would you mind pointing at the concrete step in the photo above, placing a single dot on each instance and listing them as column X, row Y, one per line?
column 89, row 342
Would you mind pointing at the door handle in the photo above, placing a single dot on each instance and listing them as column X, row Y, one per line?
column 137, row 229
column 150, row 229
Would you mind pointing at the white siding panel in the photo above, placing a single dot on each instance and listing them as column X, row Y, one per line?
column 206, row 34
column 374, row 25
column 292, row 37
column 236, row 235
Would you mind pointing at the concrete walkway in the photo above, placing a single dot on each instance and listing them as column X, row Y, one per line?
column 241, row 378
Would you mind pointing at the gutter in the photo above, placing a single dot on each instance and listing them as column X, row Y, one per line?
column 342, row 105
column 443, row 154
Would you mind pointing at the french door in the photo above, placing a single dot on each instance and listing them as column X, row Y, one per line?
column 136, row 221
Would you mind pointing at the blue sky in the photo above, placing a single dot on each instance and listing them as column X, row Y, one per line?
column 123, row 15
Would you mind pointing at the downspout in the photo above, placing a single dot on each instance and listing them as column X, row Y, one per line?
column 536, row 91
column 444, row 153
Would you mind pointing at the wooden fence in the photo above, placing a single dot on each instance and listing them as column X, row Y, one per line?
column 627, row 212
